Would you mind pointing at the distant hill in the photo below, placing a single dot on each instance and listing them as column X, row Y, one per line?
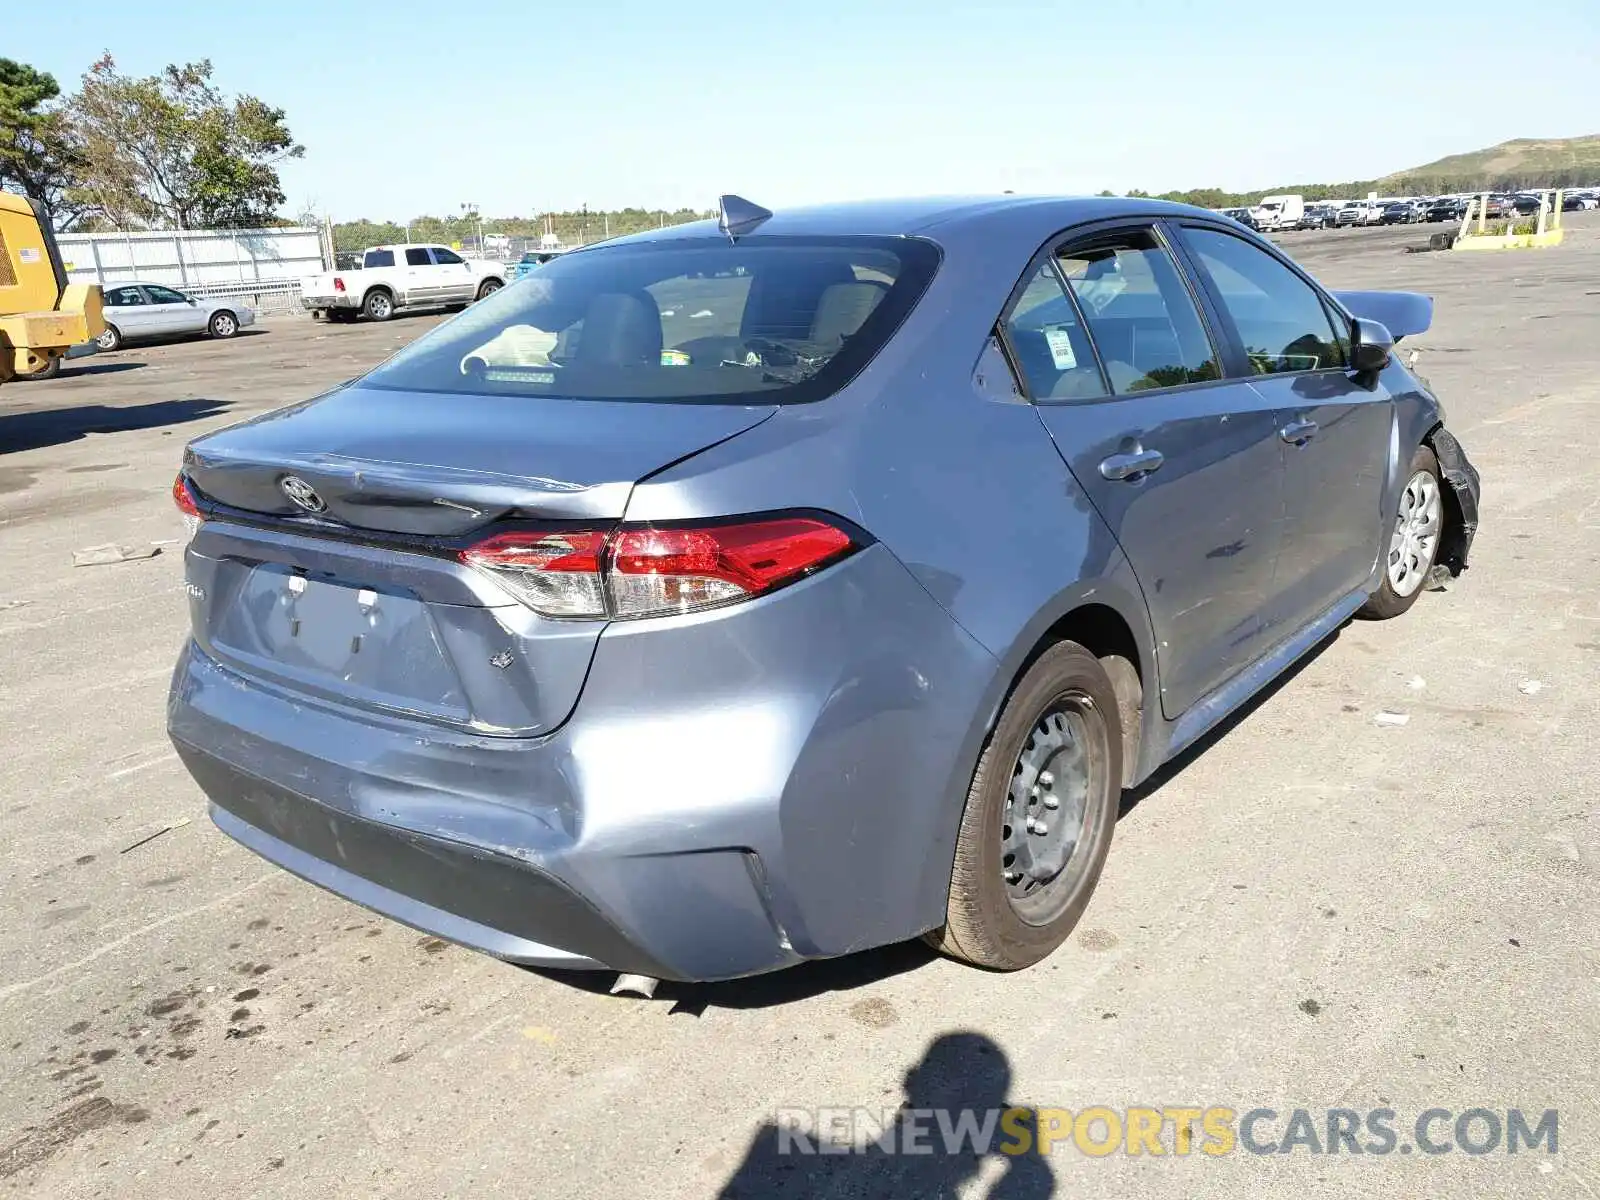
column 1522, row 162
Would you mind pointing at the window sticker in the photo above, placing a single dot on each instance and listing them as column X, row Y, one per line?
column 1060, row 343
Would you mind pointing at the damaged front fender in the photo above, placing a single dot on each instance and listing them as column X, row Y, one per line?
column 1461, row 499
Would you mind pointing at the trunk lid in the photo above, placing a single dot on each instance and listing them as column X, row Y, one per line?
column 355, row 603
column 442, row 465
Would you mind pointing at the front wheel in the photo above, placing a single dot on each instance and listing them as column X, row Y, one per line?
column 489, row 287
column 1039, row 816
column 223, row 324
column 1413, row 541
column 110, row 338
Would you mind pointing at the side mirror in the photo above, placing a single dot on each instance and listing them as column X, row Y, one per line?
column 193, row 302
column 1371, row 346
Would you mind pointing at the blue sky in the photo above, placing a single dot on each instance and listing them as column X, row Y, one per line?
column 406, row 108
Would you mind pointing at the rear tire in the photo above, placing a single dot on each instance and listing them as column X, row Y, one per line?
column 1413, row 544
column 341, row 316
column 49, row 371
column 378, row 305
column 992, row 920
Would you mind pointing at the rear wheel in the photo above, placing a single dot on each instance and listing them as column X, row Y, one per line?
column 379, row 305
column 49, row 371
column 1413, row 540
column 341, row 316
column 223, row 324
column 110, row 337
column 1039, row 816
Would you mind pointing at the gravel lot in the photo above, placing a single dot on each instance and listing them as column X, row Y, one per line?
column 1314, row 910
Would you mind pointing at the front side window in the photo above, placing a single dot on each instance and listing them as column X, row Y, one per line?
column 161, row 295
column 379, row 258
column 448, row 258
column 1281, row 320
column 1140, row 313
column 417, row 256
column 1049, row 343
column 763, row 320
column 124, row 297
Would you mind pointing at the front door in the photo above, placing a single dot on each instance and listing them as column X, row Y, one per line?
column 1184, row 466
column 172, row 312
column 456, row 282
column 1335, row 430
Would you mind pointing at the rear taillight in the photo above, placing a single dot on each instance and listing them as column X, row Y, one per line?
column 183, row 497
column 639, row 571
column 557, row 574
column 338, row 284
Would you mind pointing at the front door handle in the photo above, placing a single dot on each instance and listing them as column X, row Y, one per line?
column 1135, row 465
column 1298, row 433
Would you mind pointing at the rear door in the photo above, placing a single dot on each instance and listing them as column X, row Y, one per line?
column 422, row 277
column 1185, row 466
column 174, row 312
column 128, row 308
column 1335, row 428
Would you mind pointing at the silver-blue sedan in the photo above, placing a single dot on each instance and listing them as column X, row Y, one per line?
column 767, row 589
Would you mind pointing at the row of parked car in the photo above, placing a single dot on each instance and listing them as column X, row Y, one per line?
column 1284, row 213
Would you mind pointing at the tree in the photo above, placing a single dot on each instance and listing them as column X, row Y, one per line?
column 39, row 152
column 171, row 151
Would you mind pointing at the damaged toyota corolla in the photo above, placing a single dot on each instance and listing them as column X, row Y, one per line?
column 771, row 588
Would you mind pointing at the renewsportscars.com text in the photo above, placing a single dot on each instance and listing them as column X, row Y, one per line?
column 1171, row 1130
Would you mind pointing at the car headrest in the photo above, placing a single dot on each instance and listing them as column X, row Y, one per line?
column 844, row 308
column 620, row 329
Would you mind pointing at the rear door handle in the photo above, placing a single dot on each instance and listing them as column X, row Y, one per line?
column 1135, row 465
column 1298, row 433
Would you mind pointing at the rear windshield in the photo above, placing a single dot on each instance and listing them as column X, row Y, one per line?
column 766, row 320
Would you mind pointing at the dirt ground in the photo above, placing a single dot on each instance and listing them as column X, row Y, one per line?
column 1312, row 910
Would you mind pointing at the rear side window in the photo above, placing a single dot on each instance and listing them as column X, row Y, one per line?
column 763, row 320
column 380, row 258
column 418, row 257
column 1049, row 343
column 1143, row 319
column 1281, row 319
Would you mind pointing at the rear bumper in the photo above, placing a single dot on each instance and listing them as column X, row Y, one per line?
column 736, row 791
column 340, row 300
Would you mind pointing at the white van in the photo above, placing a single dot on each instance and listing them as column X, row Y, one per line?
column 1279, row 212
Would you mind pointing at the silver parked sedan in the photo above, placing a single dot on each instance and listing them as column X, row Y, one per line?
column 766, row 589
column 137, row 310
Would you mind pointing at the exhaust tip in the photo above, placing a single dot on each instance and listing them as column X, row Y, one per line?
column 638, row 985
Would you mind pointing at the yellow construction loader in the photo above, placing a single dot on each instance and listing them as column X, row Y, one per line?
column 41, row 315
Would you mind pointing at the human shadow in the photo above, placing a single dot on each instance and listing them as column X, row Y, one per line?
column 956, row 1115
column 33, row 430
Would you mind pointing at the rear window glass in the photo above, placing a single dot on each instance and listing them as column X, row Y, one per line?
column 380, row 258
column 765, row 320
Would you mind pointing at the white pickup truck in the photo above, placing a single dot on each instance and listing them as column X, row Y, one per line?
column 396, row 277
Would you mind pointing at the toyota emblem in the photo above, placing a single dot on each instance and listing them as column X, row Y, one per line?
column 302, row 494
